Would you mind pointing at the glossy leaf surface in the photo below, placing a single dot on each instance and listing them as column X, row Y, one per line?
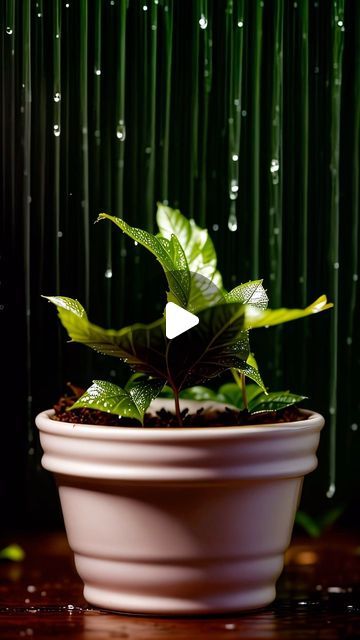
column 141, row 346
column 130, row 402
column 274, row 401
column 216, row 344
column 170, row 254
column 206, row 281
column 251, row 292
column 265, row 318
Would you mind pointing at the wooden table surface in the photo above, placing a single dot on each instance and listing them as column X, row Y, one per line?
column 318, row 597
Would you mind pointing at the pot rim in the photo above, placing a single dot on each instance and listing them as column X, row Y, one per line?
column 314, row 421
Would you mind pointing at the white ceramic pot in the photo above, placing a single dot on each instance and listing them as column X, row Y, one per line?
column 179, row 520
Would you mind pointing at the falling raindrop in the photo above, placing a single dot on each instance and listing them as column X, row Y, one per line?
column 57, row 97
column 121, row 131
column 354, row 426
column 145, row 7
column 203, row 22
column 234, row 187
column 56, row 130
column 215, row 227
column 240, row 24
column 9, row 31
column 235, row 157
column 331, row 490
column 274, row 165
column 232, row 222
column 98, row 72
column 244, row 113
column 108, row 273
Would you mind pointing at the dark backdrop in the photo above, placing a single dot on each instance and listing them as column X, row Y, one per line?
column 244, row 114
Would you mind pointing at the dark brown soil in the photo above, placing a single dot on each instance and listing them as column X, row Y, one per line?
column 164, row 418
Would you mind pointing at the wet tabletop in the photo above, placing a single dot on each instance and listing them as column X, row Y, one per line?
column 318, row 597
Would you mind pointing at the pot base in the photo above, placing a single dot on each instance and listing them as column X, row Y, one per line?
column 180, row 589
column 157, row 606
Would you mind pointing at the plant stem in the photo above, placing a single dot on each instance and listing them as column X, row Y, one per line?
column 177, row 406
column 243, row 391
column 241, row 382
column 173, row 386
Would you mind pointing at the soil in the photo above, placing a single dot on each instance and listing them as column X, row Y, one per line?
column 164, row 418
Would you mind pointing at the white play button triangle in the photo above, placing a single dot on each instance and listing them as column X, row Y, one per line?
column 178, row 320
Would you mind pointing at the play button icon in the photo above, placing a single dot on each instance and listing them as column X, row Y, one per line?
column 178, row 320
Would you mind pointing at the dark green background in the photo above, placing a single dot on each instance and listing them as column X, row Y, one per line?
column 274, row 83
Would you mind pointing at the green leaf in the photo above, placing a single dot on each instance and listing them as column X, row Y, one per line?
column 316, row 526
column 252, row 373
column 274, row 401
column 307, row 522
column 216, row 344
column 166, row 392
column 206, row 281
column 168, row 252
column 130, row 402
column 13, row 552
column 141, row 346
column 231, row 392
column 200, row 393
column 255, row 318
column 251, row 292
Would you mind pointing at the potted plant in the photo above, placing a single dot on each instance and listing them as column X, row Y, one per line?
column 182, row 504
